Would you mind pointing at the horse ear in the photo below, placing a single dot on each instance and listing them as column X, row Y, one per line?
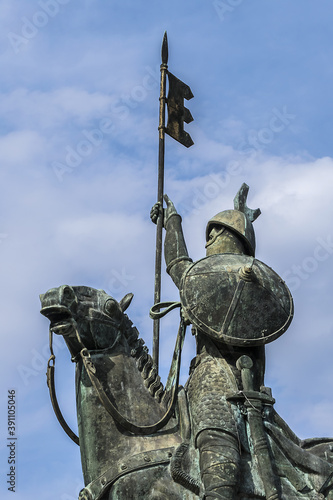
column 125, row 301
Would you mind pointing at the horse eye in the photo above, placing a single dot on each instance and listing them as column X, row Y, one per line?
column 68, row 293
column 111, row 308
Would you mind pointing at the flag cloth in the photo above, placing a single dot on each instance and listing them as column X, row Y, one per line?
column 177, row 113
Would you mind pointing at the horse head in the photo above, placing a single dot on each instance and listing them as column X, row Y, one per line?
column 91, row 320
column 86, row 317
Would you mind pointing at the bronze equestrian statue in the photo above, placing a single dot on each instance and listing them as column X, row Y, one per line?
column 219, row 437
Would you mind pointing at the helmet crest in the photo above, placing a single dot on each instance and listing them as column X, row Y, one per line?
column 240, row 203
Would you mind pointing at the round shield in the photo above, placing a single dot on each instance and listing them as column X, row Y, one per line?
column 236, row 299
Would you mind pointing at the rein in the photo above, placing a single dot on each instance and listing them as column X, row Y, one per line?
column 51, row 385
column 172, row 382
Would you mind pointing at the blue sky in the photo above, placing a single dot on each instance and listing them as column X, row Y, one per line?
column 78, row 133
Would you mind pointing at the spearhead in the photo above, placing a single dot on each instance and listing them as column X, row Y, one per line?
column 164, row 52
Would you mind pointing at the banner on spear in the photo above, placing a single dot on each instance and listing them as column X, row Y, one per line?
column 177, row 113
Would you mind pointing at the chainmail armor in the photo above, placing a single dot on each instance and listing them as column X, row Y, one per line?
column 209, row 383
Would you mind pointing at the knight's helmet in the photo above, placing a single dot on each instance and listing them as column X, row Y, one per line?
column 238, row 220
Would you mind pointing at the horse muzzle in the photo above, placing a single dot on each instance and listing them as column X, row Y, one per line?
column 61, row 320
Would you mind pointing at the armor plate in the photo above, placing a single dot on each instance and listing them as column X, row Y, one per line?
column 236, row 299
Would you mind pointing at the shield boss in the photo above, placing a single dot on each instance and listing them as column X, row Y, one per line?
column 236, row 299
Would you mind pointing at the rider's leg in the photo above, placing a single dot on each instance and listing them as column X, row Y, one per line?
column 219, row 464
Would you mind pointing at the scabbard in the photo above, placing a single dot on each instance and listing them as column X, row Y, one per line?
column 254, row 402
column 261, row 449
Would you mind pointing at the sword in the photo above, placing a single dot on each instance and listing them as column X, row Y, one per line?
column 253, row 402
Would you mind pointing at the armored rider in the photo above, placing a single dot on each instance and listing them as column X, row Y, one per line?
column 213, row 372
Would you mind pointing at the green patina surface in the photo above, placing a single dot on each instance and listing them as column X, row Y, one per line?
column 219, row 437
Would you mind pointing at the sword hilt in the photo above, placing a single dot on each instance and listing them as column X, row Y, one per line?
column 248, row 395
column 244, row 364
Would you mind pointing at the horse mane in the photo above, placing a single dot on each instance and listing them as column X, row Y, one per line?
column 138, row 349
column 144, row 362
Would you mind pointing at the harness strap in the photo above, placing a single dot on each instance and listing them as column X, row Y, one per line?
column 112, row 410
column 156, row 313
column 54, row 401
column 147, row 459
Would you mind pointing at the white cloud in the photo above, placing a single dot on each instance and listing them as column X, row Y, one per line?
column 21, row 148
column 34, row 108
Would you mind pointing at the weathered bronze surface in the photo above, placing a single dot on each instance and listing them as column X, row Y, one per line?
column 219, row 437
column 177, row 113
column 236, row 299
column 120, row 459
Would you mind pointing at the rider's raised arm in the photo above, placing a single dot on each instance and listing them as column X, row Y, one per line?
column 175, row 252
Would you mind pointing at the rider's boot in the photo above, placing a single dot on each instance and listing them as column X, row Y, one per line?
column 219, row 464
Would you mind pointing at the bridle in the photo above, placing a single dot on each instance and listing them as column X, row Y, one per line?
column 84, row 354
column 51, row 385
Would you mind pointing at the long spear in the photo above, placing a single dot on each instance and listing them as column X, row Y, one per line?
column 177, row 115
column 160, row 191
